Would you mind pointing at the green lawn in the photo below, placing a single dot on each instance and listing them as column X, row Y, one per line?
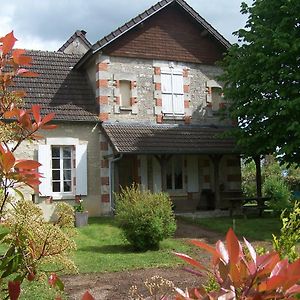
column 101, row 248
column 259, row 229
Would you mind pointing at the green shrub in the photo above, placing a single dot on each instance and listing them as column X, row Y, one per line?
column 279, row 192
column 285, row 244
column 145, row 218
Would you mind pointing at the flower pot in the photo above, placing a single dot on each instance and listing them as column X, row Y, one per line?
column 81, row 218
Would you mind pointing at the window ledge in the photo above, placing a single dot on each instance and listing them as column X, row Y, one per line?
column 173, row 117
column 125, row 108
column 63, row 197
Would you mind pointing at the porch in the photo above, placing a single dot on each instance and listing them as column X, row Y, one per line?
column 191, row 163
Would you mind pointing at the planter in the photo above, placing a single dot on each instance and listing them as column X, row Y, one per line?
column 81, row 218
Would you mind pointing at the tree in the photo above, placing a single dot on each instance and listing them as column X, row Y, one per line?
column 31, row 243
column 261, row 76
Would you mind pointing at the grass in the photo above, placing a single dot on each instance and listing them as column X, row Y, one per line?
column 259, row 229
column 101, row 248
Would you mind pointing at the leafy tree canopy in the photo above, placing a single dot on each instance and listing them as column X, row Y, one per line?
column 261, row 76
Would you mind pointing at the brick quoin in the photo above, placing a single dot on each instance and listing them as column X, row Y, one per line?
column 105, row 198
column 104, row 181
column 157, row 71
column 133, row 100
column 187, row 120
column 132, row 85
column 103, row 116
column 102, row 83
column 104, row 163
column 104, row 146
column 158, row 86
column 117, row 100
column 103, row 67
column 159, row 119
column 186, row 88
column 158, row 102
column 186, row 103
column 103, row 99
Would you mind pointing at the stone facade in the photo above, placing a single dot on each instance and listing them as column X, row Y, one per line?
column 145, row 76
column 87, row 133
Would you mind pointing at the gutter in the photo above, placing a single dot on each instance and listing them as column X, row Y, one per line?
column 111, row 161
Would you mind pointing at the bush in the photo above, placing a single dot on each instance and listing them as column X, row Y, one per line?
column 278, row 191
column 145, row 218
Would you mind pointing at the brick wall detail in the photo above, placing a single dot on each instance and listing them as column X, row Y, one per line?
column 103, row 81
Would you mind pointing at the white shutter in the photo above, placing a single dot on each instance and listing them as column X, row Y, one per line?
column 44, row 158
column 178, row 103
column 177, row 83
column 81, row 169
column 166, row 83
column 193, row 174
column 167, row 105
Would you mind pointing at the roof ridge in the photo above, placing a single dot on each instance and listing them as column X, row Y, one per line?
column 78, row 33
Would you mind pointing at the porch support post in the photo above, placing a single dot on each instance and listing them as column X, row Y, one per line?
column 216, row 158
column 163, row 159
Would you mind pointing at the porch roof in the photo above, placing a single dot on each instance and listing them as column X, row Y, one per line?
column 140, row 138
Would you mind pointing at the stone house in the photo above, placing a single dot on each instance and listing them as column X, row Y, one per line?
column 138, row 106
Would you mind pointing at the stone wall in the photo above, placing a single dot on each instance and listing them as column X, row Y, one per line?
column 86, row 133
column 145, row 78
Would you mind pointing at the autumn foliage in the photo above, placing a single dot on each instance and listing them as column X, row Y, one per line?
column 243, row 274
column 30, row 241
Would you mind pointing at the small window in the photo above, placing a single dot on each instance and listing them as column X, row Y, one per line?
column 62, row 169
column 125, row 93
column 174, row 174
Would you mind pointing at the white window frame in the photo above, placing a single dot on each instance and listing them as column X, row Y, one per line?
column 80, row 167
column 172, row 91
column 61, row 171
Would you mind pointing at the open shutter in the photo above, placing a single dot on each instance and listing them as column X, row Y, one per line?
column 81, row 169
column 178, row 98
column 44, row 158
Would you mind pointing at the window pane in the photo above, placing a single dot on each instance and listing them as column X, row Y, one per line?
column 56, row 186
column 178, row 176
column 67, row 174
column 67, row 163
column 67, row 152
column 55, row 164
column 67, row 186
column 56, row 175
column 55, row 151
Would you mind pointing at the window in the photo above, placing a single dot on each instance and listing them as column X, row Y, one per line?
column 125, row 93
column 214, row 94
column 174, row 174
column 172, row 91
column 63, row 167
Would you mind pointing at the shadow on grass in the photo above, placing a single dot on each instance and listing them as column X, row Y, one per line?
column 109, row 249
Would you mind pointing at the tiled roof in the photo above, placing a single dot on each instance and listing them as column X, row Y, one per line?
column 78, row 34
column 157, row 139
column 58, row 88
column 145, row 15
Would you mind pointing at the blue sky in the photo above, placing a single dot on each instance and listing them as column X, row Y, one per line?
column 47, row 24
